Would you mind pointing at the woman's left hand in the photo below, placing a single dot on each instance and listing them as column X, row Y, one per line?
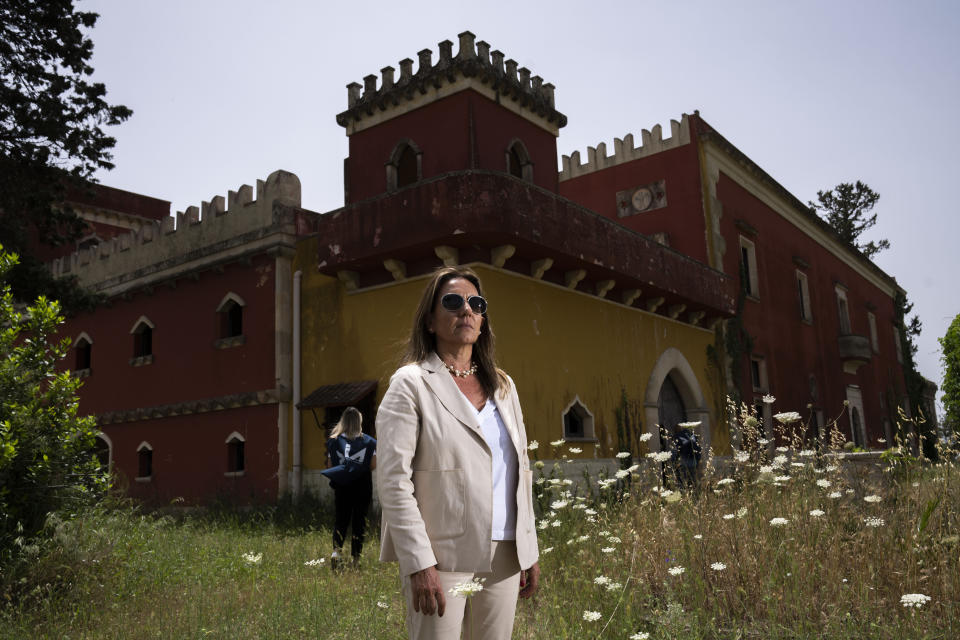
column 529, row 579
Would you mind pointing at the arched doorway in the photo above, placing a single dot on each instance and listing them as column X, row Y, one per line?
column 102, row 449
column 673, row 395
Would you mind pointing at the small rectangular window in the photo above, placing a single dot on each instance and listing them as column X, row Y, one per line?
column 803, row 291
column 872, row 321
column 758, row 374
column 143, row 341
column 748, row 264
column 843, row 311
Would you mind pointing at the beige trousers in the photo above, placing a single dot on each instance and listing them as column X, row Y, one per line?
column 487, row 615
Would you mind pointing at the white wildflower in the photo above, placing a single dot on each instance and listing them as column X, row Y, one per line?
column 623, row 454
column 779, row 522
column 252, row 558
column 914, row 600
column 614, row 586
column 608, row 549
column 548, row 550
column 807, row 453
column 874, row 522
column 622, row 473
column 605, row 483
column 724, row 481
column 741, row 512
column 766, row 468
column 835, row 495
column 645, row 436
column 697, row 536
column 741, row 456
column 467, row 589
column 797, row 464
column 591, row 616
column 590, row 512
column 872, row 498
column 539, row 465
column 823, row 483
column 779, row 461
column 640, row 635
column 689, row 425
column 555, row 523
column 718, row 566
column 782, row 479
column 729, row 516
column 557, row 443
column 533, row 445
column 783, row 449
column 787, row 417
column 604, row 533
column 675, row 571
column 769, row 399
column 633, row 468
column 816, row 513
column 314, row 563
column 558, row 504
column 580, row 506
column 576, row 450
column 660, row 456
column 583, row 538
column 831, row 468
column 382, row 604
column 614, row 540
column 567, row 482
column 601, row 580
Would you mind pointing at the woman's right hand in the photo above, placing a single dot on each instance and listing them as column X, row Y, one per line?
column 425, row 590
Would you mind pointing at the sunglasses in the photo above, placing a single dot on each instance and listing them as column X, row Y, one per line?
column 455, row 302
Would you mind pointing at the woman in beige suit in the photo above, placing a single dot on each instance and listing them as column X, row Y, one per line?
column 454, row 477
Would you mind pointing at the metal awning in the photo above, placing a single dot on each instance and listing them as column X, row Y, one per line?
column 341, row 394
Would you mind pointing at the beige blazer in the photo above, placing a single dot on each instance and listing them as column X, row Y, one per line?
column 434, row 474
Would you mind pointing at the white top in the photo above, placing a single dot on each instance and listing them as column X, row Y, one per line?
column 505, row 472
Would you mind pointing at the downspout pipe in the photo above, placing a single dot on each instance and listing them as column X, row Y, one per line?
column 297, row 432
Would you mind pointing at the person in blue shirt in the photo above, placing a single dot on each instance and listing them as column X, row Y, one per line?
column 351, row 456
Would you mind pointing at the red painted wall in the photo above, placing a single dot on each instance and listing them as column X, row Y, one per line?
column 190, row 456
column 186, row 365
column 442, row 131
column 793, row 349
column 682, row 218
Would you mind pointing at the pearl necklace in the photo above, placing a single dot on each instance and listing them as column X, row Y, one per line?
column 462, row 374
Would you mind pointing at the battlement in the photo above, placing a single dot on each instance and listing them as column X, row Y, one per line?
column 475, row 65
column 162, row 245
column 652, row 142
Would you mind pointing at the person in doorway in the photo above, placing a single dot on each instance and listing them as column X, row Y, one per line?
column 455, row 481
column 351, row 456
column 686, row 451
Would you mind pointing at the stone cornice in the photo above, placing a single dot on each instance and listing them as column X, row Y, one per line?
column 220, row 403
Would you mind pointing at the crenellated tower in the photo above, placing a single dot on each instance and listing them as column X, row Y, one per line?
column 472, row 110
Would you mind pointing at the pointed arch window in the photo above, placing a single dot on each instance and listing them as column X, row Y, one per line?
column 577, row 421
column 405, row 165
column 230, row 313
column 519, row 164
column 142, row 333
column 144, row 462
column 83, row 351
column 236, row 462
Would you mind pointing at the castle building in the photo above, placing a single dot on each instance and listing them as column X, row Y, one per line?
column 235, row 333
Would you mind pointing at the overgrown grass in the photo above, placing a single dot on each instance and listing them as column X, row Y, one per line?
column 884, row 532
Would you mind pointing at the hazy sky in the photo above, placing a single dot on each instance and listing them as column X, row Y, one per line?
column 815, row 92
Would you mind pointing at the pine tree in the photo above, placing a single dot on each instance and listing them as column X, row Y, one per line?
column 950, row 358
column 847, row 209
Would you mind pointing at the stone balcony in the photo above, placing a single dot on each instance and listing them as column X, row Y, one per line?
column 855, row 352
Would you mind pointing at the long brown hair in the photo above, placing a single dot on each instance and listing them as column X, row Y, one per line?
column 422, row 342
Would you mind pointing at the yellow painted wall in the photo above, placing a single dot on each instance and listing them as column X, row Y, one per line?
column 555, row 343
